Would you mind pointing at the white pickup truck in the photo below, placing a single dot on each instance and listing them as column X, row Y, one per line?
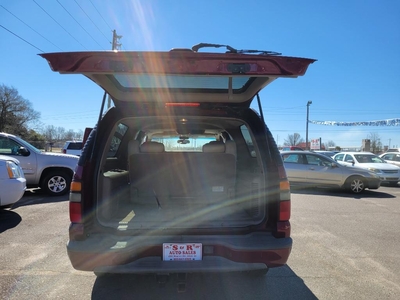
column 52, row 172
column 72, row 147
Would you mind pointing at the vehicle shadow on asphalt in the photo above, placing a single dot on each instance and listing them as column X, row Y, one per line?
column 37, row 196
column 341, row 193
column 280, row 283
column 8, row 220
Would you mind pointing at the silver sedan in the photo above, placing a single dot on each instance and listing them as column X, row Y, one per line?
column 312, row 169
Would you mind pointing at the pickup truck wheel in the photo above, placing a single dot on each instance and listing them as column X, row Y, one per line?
column 56, row 183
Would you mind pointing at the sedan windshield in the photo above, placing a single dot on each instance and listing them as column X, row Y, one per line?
column 368, row 158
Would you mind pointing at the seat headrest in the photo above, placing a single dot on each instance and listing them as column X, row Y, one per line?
column 215, row 147
column 133, row 147
column 230, row 147
column 152, row 147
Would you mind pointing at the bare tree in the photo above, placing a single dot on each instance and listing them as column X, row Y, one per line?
column 375, row 142
column 330, row 143
column 78, row 136
column 50, row 133
column 69, row 135
column 61, row 134
column 16, row 114
column 54, row 134
column 15, row 111
column 293, row 140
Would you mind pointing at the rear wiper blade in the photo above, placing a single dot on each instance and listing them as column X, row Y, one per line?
column 263, row 52
column 230, row 49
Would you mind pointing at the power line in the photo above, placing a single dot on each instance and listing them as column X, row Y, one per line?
column 80, row 25
column 100, row 14
column 31, row 28
column 59, row 24
column 92, row 21
column 120, row 45
column 22, row 38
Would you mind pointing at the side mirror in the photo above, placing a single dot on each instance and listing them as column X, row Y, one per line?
column 23, row 151
column 334, row 165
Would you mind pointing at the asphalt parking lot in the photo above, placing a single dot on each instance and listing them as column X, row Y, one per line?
column 345, row 247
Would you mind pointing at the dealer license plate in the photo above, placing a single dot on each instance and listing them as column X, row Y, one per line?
column 182, row 251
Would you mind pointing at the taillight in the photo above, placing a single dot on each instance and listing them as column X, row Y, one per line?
column 75, row 212
column 64, row 151
column 284, row 211
column 75, row 209
column 283, row 224
column 76, row 228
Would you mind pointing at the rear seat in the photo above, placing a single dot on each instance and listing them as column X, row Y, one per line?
column 146, row 168
column 219, row 167
column 208, row 175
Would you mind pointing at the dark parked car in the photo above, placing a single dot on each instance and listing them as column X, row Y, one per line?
column 326, row 153
column 181, row 175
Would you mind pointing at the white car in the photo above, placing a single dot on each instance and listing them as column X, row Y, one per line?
column 388, row 173
column 391, row 157
column 12, row 181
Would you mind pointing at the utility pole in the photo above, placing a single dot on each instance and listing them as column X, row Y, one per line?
column 308, row 108
column 115, row 46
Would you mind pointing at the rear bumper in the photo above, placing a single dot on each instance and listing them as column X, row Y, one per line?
column 211, row 264
column 111, row 254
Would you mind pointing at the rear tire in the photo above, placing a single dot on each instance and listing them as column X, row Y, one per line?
column 356, row 184
column 56, row 183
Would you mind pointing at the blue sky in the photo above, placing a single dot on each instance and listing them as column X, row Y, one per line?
column 356, row 43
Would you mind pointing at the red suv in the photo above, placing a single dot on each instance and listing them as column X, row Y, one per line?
column 180, row 175
column 290, row 148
